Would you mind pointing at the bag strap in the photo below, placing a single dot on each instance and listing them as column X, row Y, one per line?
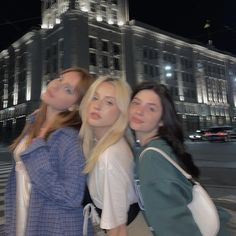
column 188, row 176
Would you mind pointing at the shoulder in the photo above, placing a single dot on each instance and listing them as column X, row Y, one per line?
column 119, row 152
column 65, row 132
column 119, row 147
column 149, row 150
column 64, row 138
column 152, row 159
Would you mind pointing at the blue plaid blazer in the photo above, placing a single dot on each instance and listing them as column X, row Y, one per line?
column 55, row 168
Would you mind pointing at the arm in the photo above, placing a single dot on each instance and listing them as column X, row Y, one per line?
column 115, row 185
column 166, row 194
column 56, row 173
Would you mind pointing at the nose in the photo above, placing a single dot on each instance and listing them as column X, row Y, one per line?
column 98, row 104
column 139, row 110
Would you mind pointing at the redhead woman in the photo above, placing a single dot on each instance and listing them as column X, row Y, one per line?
column 46, row 186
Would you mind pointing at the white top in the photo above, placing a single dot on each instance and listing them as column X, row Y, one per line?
column 23, row 187
column 111, row 184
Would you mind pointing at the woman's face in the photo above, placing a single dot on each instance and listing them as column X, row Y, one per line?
column 145, row 112
column 62, row 93
column 103, row 110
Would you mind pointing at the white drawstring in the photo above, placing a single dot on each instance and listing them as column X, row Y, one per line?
column 90, row 212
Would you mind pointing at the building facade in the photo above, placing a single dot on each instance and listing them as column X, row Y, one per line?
column 97, row 35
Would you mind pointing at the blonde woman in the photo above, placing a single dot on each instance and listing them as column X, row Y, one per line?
column 46, row 186
column 109, row 157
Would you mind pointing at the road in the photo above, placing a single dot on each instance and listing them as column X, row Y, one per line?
column 217, row 163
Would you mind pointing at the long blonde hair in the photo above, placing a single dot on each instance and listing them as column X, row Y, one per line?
column 93, row 151
column 64, row 119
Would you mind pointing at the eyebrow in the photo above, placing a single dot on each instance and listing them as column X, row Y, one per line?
column 149, row 103
column 112, row 97
column 153, row 104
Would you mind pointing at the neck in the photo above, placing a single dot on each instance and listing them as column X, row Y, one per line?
column 50, row 116
column 99, row 133
column 144, row 139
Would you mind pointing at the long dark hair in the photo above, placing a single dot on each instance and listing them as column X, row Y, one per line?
column 171, row 130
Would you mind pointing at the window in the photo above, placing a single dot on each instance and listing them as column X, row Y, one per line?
column 105, row 61
column 104, row 10
column 116, row 49
column 92, row 59
column 145, row 53
column 145, row 69
column 157, row 72
column 114, row 15
column 116, row 62
column 151, row 71
column 92, row 7
column 92, row 43
column 114, row 2
column 104, row 46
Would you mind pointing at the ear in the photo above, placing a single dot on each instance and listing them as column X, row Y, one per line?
column 160, row 123
column 73, row 108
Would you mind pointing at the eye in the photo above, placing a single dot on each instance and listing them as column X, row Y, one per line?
column 94, row 98
column 68, row 90
column 152, row 109
column 110, row 101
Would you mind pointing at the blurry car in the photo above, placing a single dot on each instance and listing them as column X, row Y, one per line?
column 232, row 134
column 197, row 135
column 218, row 133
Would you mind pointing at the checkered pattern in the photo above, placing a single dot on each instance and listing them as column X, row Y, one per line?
column 54, row 168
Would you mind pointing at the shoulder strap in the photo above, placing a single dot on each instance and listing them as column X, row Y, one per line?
column 188, row 176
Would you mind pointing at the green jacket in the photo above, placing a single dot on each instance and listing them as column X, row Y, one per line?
column 165, row 193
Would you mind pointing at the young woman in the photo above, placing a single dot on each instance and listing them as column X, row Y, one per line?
column 164, row 191
column 109, row 158
column 46, row 186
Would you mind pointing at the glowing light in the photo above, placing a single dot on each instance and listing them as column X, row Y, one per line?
column 58, row 20
column 120, row 23
column 44, row 26
column 110, row 22
column 84, row 8
column 99, row 18
column 167, row 67
column 168, row 74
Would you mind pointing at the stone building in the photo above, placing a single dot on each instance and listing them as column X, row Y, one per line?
column 98, row 35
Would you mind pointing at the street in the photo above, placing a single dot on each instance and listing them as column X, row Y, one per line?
column 217, row 163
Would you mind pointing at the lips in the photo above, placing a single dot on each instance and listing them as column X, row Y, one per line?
column 136, row 120
column 94, row 116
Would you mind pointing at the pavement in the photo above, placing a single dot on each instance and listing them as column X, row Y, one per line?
column 224, row 196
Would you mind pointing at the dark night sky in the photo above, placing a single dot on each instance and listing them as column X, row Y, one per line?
column 185, row 18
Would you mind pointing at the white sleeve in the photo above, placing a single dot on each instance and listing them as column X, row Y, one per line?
column 115, row 187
